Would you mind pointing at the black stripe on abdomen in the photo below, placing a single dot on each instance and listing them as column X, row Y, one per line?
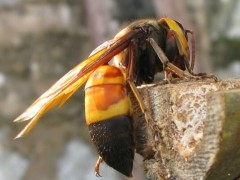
column 114, row 142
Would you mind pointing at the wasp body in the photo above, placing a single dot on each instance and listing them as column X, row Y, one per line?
column 109, row 121
column 169, row 35
column 137, row 52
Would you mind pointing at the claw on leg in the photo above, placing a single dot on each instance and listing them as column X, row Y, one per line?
column 97, row 166
column 167, row 77
column 166, row 64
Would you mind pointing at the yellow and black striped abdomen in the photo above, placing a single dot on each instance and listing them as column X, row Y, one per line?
column 108, row 116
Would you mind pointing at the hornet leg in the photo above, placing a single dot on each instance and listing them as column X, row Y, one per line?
column 145, row 111
column 97, row 166
column 174, row 69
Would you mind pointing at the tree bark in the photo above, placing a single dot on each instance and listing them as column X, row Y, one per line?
column 198, row 130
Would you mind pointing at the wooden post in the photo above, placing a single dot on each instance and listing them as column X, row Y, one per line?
column 198, row 130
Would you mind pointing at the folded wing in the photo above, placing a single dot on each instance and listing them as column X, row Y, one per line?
column 65, row 87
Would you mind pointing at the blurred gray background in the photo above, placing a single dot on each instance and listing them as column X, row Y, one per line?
column 41, row 40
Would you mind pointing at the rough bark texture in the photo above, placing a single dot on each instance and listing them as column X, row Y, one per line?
column 199, row 130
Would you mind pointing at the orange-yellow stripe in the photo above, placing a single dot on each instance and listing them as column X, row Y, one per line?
column 102, row 103
column 181, row 38
column 105, row 75
column 105, row 95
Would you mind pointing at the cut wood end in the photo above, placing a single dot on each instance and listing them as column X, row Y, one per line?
column 189, row 127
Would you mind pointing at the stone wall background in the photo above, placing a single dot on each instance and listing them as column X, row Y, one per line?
column 39, row 42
